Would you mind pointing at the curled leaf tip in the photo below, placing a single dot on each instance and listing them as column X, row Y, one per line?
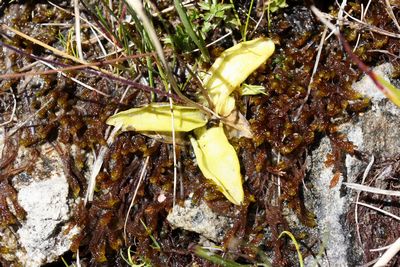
column 232, row 68
column 218, row 161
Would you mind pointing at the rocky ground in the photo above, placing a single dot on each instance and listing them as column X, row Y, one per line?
column 315, row 136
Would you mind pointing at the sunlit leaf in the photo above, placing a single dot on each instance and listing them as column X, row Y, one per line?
column 232, row 68
column 157, row 117
column 218, row 161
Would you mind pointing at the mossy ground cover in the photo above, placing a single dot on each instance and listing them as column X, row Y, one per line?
column 287, row 121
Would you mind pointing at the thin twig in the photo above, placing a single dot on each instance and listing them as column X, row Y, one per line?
column 21, row 124
column 365, row 174
column 118, row 50
column 213, row 42
column 98, row 41
column 141, row 177
column 366, row 9
column 97, row 164
column 320, row 46
column 389, row 9
column 99, row 159
column 379, row 210
column 13, row 111
column 359, row 24
column 389, row 254
column 374, row 190
column 384, row 52
column 362, row 25
column 75, row 80
column 359, row 34
column 339, row 22
column 261, row 17
column 85, row 20
column 78, row 29
column 139, row 9
column 78, row 259
column 168, row 9
column 380, row 249
column 62, row 25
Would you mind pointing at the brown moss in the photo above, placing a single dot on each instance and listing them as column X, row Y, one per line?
column 10, row 210
column 7, row 217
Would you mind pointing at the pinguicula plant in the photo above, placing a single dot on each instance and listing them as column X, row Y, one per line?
column 216, row 157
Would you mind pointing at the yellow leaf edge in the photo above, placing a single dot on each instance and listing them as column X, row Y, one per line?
column 218, row 161
column 232, row 68
column 157, row 117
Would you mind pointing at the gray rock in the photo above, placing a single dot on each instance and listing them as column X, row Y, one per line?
column 376, row 130
column 43, row 236
column 199, row 219
column 328, row 206
column 374, row 133
column 367, row 87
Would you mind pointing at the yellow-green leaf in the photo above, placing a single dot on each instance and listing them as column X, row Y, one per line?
column 157, row 117
column 296, row 245
column 218, row 161
column 391, row 92
column 232, row 68
column 249, row 89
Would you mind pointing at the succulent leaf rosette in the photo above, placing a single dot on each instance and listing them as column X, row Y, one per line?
column 216, row 157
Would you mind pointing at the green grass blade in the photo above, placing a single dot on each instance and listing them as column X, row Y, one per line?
column 197, row 39
column 247, row 20
column 156, row 244
column 392, row 92
column 296, row 244
column 239, row 23
column 202, row 253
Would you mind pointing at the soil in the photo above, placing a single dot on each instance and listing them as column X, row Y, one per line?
column 287, row 122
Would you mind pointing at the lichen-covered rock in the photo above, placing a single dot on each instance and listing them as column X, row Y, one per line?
column 374, row 133
column 199, row 219
column 44, row 234
column 328, row 206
